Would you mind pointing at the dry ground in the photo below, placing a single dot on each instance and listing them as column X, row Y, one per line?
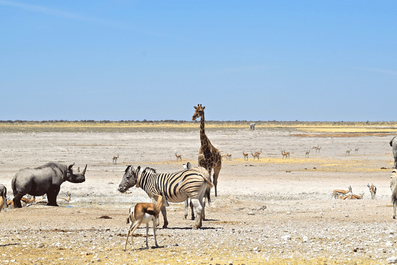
column 269, row 211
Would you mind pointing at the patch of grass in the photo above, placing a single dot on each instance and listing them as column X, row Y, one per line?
column 312, row 129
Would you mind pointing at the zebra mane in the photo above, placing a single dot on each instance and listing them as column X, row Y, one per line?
column 128, row 167
column 149, row 170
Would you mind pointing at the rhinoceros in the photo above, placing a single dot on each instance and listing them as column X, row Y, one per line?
column 3, row 196
column 393, row 144
column 46, row 179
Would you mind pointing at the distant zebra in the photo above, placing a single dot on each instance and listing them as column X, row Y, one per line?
column 176, row 187
column 252, row 126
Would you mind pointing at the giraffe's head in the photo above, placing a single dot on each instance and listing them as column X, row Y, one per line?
column 199, row 112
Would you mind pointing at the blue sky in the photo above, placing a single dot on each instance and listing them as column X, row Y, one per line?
column 155, row 60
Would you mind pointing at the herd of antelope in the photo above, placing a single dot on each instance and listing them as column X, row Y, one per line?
column 348, row 194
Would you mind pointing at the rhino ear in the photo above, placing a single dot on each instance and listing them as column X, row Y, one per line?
column 70, row 167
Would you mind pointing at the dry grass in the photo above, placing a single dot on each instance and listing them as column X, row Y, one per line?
column 311, row 129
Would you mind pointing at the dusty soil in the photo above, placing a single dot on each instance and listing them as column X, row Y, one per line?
column 273, row 210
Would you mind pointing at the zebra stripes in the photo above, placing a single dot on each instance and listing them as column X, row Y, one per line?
column 176, row 187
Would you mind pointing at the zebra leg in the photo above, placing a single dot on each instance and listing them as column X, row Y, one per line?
column 186, row 208
column 192, row 209
column 199, row 209
column 164, row 213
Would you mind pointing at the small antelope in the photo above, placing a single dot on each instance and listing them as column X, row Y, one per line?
column 356, row 150
column 372, row 190
column 307, row 153
column 115, row 159
column 256, row 154
column 3, row 196
column 345, row 197
column 144, row 213
column 348, row 152
column 178, row 157
column 229, row 157
column 224, row 156
column 337, row 193
column 245, row 156
column 357, row 197
column 285, row 154
column 317, row 148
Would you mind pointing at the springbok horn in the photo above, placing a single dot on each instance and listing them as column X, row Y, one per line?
column 84, row 169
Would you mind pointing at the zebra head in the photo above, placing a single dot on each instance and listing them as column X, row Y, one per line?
column 130, row 178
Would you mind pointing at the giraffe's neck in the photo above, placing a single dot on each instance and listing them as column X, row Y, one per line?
column 203, row 137
column 202, row 127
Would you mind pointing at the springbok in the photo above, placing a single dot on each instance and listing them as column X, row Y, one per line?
column 229, row 157
column 143, row 213
column 3, row 196
column 178, row 157
column 224, row 156
column 285, row 154
column 256, row 154
column 115, row 159
column 317, row 148
column 372, row 190
column 345, row 197
column 357, row 197
column 336, row 193
column 33, row 200
column 393, row 187
column 356, row 150
column 348, row 152
column 307, row 153
column 245, row 156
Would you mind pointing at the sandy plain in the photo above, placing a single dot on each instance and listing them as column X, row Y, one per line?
column 268, row 211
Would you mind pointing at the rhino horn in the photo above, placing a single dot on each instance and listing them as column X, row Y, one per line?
column 84, row 169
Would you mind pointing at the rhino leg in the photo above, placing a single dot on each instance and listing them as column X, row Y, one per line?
column 17, row 200
column 52, row 196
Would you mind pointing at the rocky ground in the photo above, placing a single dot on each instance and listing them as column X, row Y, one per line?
column 269, row 211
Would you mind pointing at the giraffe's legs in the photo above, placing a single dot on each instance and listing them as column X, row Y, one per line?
column 215, row 178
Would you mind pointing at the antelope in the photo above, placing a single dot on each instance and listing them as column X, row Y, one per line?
column 307, row 153
column 345, row 197
column 115, row 159
column 33, row 200
column 356, row 150
column 256, row 154
column 178, row 157
column 348, row 152
column 224, row 156
column 229, row 157
column 357, row 197
column 144, row 213
column 317, row 148
column 372, row 190
column 245, row 156
column 285, row 154
column 336, row 193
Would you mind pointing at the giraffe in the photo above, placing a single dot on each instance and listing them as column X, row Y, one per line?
column 209, row 157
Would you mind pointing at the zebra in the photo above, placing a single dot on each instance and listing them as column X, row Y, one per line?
column 176, row 187
column 252, row 126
